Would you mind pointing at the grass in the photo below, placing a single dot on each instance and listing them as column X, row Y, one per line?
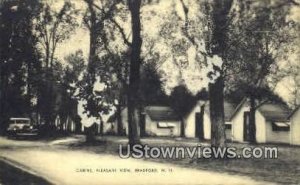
column 11, row 175
column 284, row 170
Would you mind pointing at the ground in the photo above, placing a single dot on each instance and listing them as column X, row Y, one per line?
column 70, row 161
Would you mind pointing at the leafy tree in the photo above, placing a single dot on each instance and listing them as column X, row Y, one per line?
column 214, row 23
column 258, row 44
column 52, row 28
column 69, row 80
column 292, row 72
column 19, row 59
column 97, row 102
column 134, row 76
column 182, row 101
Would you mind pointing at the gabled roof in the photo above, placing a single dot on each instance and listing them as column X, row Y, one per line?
column 238, row 107
column 271, row 111
column 229, row 110
column 294, row 111
column 275, row 112
column 161, row 113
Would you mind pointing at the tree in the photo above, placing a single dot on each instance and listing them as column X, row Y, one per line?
column 206, row 33
column 151, row 90
column 19, row 59
column 258, row 44
column 293, row 86
column 182, row 101
column 134, row 76
column 217, row 46
column 52, row 28
column 97, row 101
column 69, row 80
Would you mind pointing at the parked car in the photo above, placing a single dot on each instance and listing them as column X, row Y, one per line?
column 21, row 126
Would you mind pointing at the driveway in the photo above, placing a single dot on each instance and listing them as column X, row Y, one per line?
column 63, row 166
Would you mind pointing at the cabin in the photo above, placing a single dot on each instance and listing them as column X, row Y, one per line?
column 198, row 125
column 159, row 121
column 295, row 127
column 271, row 121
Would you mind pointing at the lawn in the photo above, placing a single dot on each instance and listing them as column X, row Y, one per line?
column 284, row 170
column 11, row 175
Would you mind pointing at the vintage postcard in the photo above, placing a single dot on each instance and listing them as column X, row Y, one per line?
column 149, row 92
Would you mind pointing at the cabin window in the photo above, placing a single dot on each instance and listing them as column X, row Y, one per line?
column 228, row 126
column 165, row 125
column 280, row 126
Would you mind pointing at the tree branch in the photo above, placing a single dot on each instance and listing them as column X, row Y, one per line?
column 121, row 30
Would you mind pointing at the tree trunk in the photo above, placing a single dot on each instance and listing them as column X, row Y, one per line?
column 134, row 76
column 221, row 9
column 93, row 42
column 90, row 133
column 77, row 124
column 4, row 117
column 182, row 127
column 216, row 107
column 142, row 122
column 101, row 127
column 201, row 134
column 119, row 120
column 252, row 122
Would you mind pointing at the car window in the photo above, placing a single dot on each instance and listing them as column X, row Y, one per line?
column 19, row 122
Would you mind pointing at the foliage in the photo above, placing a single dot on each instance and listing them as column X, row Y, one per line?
column 257, row 45
column 19, row 59
column 182, row 100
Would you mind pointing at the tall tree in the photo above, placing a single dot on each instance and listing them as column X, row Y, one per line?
column 217, row 46
column 207, row 34
column 182, row 101
column 97, row 103
column 134, row 77
column 19, row 59
column 293, row 86
column 69, row 79
column 259, row 43
column 52, row 28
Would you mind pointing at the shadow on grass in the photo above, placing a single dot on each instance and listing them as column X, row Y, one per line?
column 10, row 175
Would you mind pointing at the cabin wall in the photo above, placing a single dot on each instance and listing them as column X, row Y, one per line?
column 153, row 129
column 276, row 136
column 260, row 124
column 190, row 120
column 295, row 128
column 207, row 126
column 238, row 124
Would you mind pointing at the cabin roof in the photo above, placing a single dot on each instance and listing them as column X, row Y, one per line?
column 229, row 109
column 293, row 112
column 270, row 110
column 274, row 112
column 161, row 113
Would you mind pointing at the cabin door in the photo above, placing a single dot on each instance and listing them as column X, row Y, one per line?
column 199, row 125
column 143, row 125
column 246, row 125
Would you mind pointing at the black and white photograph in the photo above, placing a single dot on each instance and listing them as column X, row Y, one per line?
column 149, row 92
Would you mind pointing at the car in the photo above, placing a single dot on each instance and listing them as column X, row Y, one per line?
column 21, row 127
